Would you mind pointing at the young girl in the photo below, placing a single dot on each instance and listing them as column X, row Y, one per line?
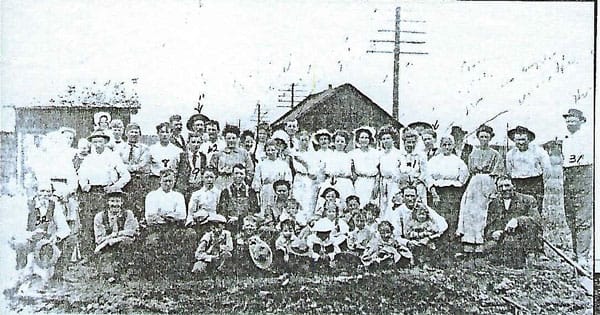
column 360, row 236
column 384, row 247
column 352, row 208
column 215, row 246
column 288, row 244
column 341, row 229
column 329, row 194
column 372, row 216
column 267, row 172
column 320, row 245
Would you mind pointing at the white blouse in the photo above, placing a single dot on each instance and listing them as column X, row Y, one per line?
column 445, row 171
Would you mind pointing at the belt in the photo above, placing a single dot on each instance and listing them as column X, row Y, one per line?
column 60, row 180
column 366, row 176
column 343, row 176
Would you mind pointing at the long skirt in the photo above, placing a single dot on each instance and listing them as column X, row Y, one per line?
column 304, row 190
column 448, row 208
column 266, row 197
column 363, row 187
column 473, row 208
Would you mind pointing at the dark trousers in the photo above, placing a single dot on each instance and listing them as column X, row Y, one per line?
column 90, row 203
column 135, row 194
column 579, row 204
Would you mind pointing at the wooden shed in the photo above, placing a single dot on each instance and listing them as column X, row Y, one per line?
column 343, row 107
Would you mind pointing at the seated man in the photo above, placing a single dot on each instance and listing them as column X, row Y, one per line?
column 513, row 227
column 168, row 246
column 114, row 230
column 237, row 200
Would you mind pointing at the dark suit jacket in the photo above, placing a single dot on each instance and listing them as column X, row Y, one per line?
column 178, row 141
column 521, row 205
column 185, row 169
column 467, row 149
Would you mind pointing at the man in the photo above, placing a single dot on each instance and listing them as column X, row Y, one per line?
column 527, row 165
column 203, row 202
column 176, row 127
column 197, row 123
column 116, row 129
column 114, row 230
column 513, row 229
column 578, row 183
column 136, row 157
column 291, row 128
column 429, row 140
column 273, row 211
column 191, row 166
column 461, row 148
column 100, row 172
column 415, row 165
column 165, row 206
column 114, row 225
column 214, row 143
column 168, row 248
column 238, row 200
column 162, row 155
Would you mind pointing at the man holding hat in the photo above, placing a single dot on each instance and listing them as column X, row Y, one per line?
column 527, row 164
column 100, row 172
column 114, row 225
column 578, row 183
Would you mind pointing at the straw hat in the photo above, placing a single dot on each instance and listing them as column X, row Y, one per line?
column 261, row 253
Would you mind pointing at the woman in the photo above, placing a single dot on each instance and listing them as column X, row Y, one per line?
column 263, row 132
column 446, row 176
column 484, row 163
column 304, row 188
column 336, row 167
column 390, row 158
column 364, row 164
column 267, row 172
column 249, row 144
column 413, row 170
column 223, row 161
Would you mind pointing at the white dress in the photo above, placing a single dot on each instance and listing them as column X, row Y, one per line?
column 389, row 169
column 267, row 172
column 366, row 168
column 304, row 189
column 337, row 169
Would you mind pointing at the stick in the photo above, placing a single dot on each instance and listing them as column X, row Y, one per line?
column 567, row 259
column 515, row 304
column 487, row 121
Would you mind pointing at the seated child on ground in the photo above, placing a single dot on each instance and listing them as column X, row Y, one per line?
column 384, row 247
column 372, row 213
column 320, row 245
column 329, row 194
column 215, row 246
column 352, row 208
column 360, row 236
column 420, row 227
column 288, row 244
column 341, row 229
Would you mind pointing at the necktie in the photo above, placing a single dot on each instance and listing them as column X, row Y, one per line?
column 131, row 148
column 291, row 143
column 194, row 159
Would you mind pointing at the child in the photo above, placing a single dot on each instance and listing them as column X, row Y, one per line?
column 215, row 246
column 288, row 244
column 384, row 247
column 203, row 202
column 341, row 229
column 372, row 213
column 248, row 235
column 360, row 236
column 420, row 228
column 329, row 194
column 352, row 207
column 320, row 245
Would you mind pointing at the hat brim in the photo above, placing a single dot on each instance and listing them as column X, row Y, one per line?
column 105, row 137
column 581, row 118
column 261, row 264
column 328, row 189
column 512, row 132
column 190, row 122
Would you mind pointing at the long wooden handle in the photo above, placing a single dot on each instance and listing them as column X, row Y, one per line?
column 567, row 259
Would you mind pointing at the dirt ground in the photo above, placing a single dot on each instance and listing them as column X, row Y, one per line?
column 548, row 288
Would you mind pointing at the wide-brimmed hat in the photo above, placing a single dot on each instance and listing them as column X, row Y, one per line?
column 281, row 135
column 67, row 129
column 323, row 225
column 98, row 134
column 193, row 118
column 40, row 250
column 261, row 253
column 424, row 125
column 457, row 130
column 216, row 218
column 521, row 130
column 575, row 113
column 328, row 189
column 387, row 129
column 321, row 132
column 367, row 129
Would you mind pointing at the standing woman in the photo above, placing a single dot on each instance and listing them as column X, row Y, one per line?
column 337, row 167
column 268, row 171
column 364, row 164
column 390, row 159
column 248, row 142
column 223, row 161
column 263, row 132
column 484, row 162
column 446, row 176
column 304, row 188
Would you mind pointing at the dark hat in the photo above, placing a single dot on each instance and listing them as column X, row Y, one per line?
column 116, row 193
column 485, row 128
column 352, row 197
column 387, row 129
column 575, row 113
column 231, row 129
column 422, row 124
column 457, row 130
column 523, row 130
column 98, row 134
column 328, row 189
column 367, row 129
column 280, row 182
column 193, row 118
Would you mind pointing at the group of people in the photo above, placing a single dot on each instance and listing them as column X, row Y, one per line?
column 217, row 199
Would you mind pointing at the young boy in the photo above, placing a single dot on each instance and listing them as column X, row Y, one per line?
column 320, row 244
column 359, row 238
column 352, row 208
column 215, row 246
column 384, row 248
column 372, row 213
column 329, row 194
column 203, row 202
column 288, row 246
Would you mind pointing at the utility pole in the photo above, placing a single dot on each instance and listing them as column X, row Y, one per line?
column 260, row 115
column 295, row 94
column 397, row 52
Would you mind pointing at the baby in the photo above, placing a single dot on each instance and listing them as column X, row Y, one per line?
column 420, row 227
column 384, row 247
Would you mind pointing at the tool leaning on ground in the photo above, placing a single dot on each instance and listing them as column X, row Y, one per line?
column 567, row 259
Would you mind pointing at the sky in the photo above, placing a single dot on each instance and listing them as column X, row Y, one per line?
column 532, row 59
